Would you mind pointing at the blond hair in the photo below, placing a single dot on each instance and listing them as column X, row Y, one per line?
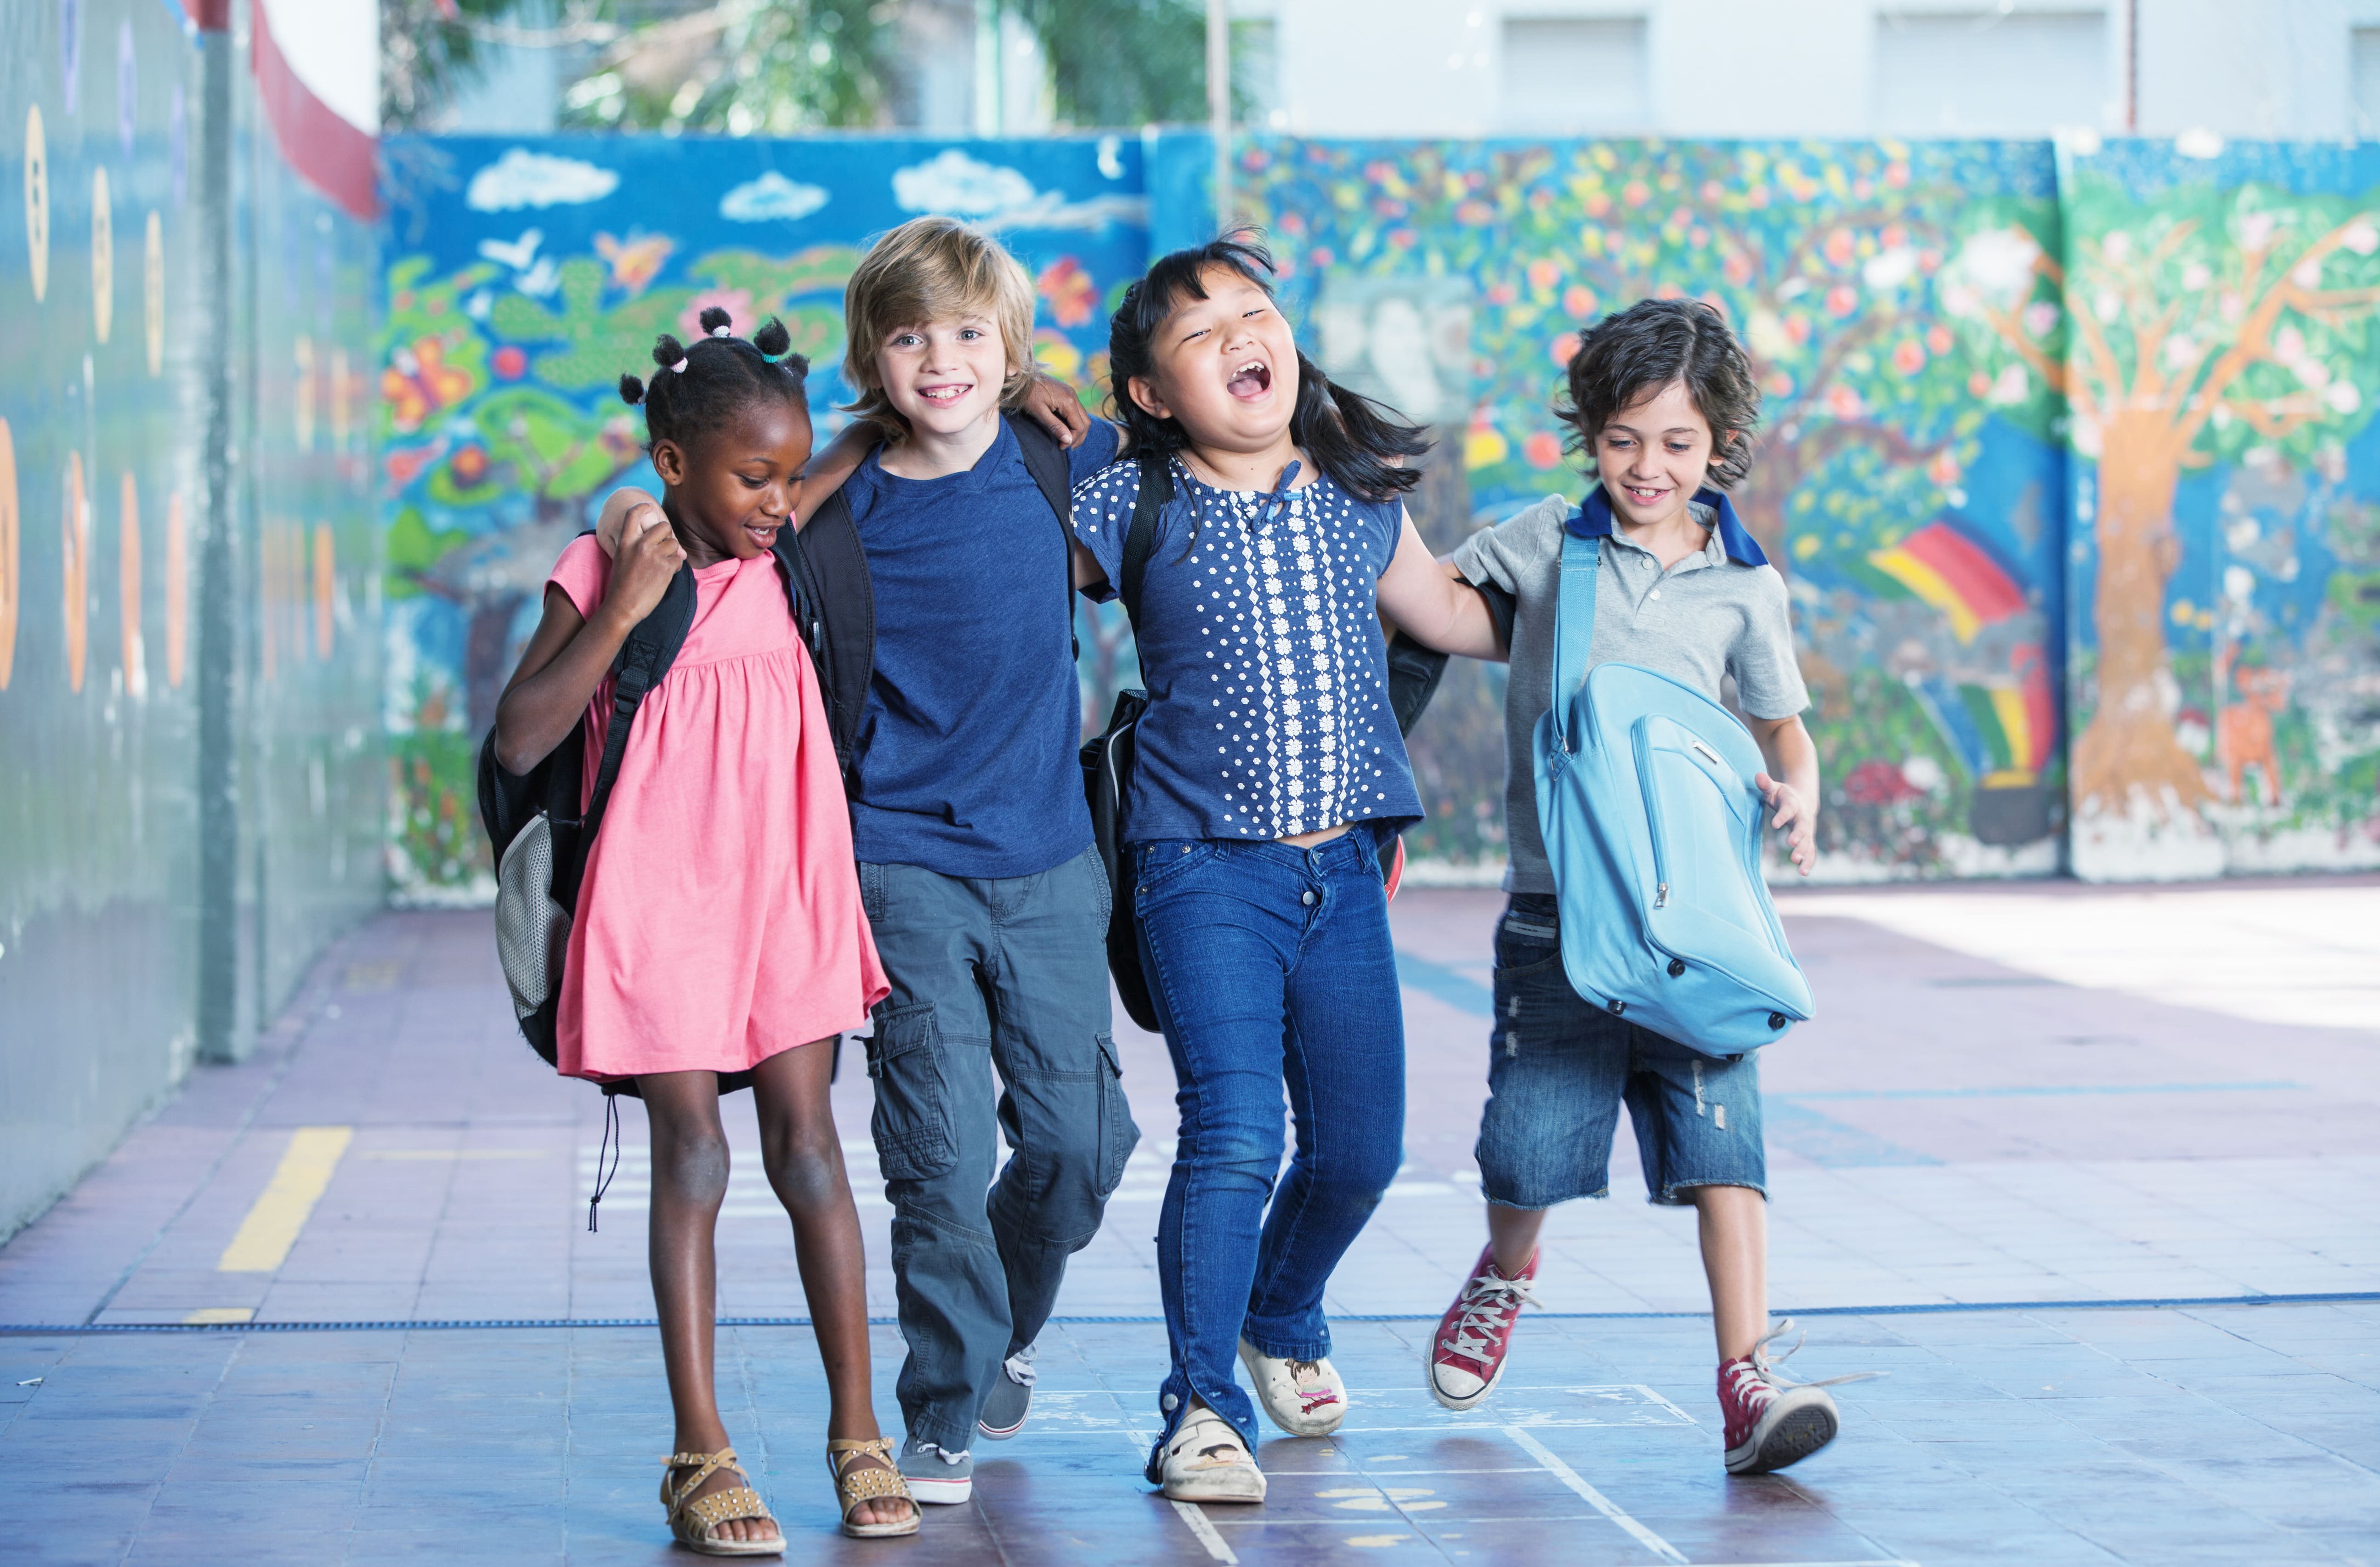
column 928, row 270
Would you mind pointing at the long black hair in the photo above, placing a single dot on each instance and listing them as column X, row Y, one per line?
column 700, row 385
column 1353, row 439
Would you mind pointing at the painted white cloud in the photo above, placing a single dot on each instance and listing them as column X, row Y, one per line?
column 771, row 197
column 523, row 178
column 952, row 182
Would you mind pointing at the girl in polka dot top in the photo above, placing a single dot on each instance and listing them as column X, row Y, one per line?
column 1267, row 773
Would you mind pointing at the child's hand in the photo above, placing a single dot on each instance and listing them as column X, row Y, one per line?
column 1797, row 817
column 624, row 515
column 1055, row 408
column 648, row 558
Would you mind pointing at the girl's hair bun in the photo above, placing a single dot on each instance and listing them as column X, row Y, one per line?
column 713, row 319
column 772, row 339
column 667, row 350
column 632, row 390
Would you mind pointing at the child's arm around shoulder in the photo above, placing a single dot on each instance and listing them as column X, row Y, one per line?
column 1429, row 601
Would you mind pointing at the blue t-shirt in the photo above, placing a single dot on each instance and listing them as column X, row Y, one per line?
column 1267, row 673
column 967, row 760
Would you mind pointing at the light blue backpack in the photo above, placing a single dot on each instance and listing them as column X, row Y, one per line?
column 1653, row 826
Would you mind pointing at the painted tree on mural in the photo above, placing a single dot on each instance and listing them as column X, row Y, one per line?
column 2210, row 324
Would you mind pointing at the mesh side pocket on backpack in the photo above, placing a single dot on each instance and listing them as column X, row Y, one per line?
column 531, row 929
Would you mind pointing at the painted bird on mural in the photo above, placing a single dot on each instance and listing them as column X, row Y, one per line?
column 636, row 260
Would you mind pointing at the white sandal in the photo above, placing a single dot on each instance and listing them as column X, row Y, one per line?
column 1205, row 1461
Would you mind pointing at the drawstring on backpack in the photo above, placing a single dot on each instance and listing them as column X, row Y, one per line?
column 610, row 1144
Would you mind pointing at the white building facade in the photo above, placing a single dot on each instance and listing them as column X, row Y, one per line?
column 2285, row 68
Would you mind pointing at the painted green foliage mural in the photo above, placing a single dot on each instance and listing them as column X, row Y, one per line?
column 1908, row 346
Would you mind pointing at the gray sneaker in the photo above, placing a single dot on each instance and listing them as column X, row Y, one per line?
column 937, row 1477
column 1010, row 1399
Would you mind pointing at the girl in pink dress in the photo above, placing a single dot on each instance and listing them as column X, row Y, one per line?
column 719, row 927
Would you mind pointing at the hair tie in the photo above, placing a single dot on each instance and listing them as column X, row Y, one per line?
column 722, row 330
column 679, row 367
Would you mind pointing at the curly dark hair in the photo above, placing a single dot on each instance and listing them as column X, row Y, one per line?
column 1627, row 357
column 699, row 385
column 1357, row 441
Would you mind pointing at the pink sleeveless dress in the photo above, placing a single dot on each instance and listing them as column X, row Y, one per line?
column 720, row 920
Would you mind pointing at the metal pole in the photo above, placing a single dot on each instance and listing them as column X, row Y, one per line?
column 1218, row 107
column 220, row 1035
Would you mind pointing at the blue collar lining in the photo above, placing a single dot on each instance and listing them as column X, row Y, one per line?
column 1593, row 520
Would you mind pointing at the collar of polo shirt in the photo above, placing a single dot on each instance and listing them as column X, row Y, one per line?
column 1593, row 520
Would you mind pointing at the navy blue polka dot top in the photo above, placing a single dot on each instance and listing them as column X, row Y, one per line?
column 1259, row 644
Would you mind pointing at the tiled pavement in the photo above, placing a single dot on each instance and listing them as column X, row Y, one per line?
column 2013, row 1097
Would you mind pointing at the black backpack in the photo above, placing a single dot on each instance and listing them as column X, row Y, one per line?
column 1414, row 672
column 540, row 839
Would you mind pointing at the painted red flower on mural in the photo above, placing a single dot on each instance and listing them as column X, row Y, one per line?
column 509, row 363
column 1073, row 296
column 1878, row 783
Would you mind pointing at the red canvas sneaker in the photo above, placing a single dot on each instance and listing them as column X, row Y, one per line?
column 1467, row 1354
column 1771, row 1419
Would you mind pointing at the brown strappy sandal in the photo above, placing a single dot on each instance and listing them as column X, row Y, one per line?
column 855, row 1484
column 693, row 1518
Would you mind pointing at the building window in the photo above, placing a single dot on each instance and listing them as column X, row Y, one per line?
column 2364, row 62
column 1994, row 73
column 1569, row 74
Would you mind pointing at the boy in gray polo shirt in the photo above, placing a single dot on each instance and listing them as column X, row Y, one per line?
column 1662, row 403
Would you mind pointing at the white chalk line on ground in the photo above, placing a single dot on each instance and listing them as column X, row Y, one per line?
column 1595, row 1499
column 1215, row 1548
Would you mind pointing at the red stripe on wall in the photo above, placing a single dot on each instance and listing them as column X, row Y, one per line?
column 213, row 15
column 332, row 155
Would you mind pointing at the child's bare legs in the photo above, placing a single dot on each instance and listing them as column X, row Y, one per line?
column 690, row 1183
column 1733, row 1226
column 803, row 1158
column 1512, row 1237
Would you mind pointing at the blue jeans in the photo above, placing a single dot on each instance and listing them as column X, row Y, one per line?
column 1007, row 973
column 1268, row 964
column 1560, row 1067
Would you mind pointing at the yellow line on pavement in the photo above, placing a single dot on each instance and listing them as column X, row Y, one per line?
column 222, row 1314
column 272, row 1226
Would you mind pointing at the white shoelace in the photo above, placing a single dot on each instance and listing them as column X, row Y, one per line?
column 945, row 1454
column 1764, row 1374
column 1487, row 1301
column 1019, row 1367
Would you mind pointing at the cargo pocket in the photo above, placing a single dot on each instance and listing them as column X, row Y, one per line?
column 1118, row 1135
column 912, row 1122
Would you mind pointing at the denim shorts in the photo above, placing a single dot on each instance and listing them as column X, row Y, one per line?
column 1560, row 1069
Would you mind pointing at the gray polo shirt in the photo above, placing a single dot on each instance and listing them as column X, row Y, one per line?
column 1707, row 617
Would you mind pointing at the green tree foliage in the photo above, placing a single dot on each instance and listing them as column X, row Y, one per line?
column 741, row 68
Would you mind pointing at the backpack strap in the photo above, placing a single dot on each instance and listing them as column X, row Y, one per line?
column 1156, row 491
column 1046, row 461
column 834, row 608
column 652, row 646
column 1573, row 626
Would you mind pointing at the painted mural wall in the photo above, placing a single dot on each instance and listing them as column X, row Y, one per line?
column 102, row 529
column 1921, row 471
column 2223, row 371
